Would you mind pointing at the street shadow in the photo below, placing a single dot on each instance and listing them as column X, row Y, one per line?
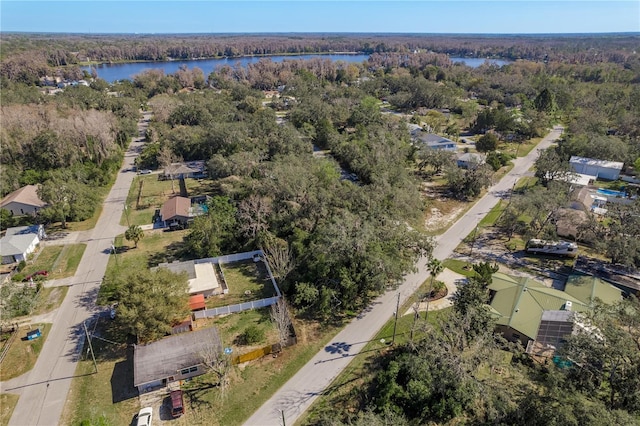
column 122, row 379
column 367, row 309
column 338, row 348
column 88, row 299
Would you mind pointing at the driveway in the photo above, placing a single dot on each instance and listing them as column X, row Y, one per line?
column 43, row 390
column 310, row 382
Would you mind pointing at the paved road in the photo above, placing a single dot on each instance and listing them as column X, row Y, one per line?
column 295, row 396
column 43, row 390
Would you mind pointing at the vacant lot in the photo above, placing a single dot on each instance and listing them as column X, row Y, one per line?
column 23, row 354
column 7, row 404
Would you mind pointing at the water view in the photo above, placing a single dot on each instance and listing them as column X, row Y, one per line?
column 124, row 71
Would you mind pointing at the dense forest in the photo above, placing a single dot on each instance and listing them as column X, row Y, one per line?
column 322, row 174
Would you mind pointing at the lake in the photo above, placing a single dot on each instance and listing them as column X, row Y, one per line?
column 126, row 71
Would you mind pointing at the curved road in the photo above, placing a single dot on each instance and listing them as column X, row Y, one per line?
column 43, row 390
column 295, row 396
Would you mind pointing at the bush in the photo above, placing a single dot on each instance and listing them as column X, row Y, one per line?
column 253, row 334
column 21, row 265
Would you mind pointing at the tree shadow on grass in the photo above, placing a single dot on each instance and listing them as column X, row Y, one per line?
column 172, row 252
column 122, row 379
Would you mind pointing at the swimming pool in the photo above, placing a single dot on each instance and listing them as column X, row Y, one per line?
column 611, row 192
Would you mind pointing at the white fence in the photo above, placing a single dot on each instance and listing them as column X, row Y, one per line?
column 254, row 304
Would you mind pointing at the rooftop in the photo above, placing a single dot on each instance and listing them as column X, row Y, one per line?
column 520, row 302
column 166, row 357
column 26, row 195
column 587, row 288
column 594, row 162
column 176, row 206
column 202, row 276
column 16, row 244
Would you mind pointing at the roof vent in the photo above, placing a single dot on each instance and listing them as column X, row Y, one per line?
column 567, row 305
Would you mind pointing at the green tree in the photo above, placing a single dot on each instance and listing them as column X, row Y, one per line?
column 66, row 198
column 550, row 165
column 150, row 302
column 545, row 101
column 434, row 266
column 487, row 142
column 209, row 233
column 134, row 233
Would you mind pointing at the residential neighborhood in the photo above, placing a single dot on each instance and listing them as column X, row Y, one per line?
column 379, row 233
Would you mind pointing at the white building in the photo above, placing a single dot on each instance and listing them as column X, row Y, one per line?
column 600, row 169
column 19, row 242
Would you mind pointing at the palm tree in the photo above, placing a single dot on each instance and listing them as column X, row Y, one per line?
column 134, row 233
column 435, row 267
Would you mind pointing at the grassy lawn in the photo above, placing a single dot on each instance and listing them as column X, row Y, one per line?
column 459, row 266
column 108, row 396
column 23, row 354
column 231, row 328
column 7, row 404
column 49, row 299
column 156, row 247
column 525, row 183
column 493, row 215
column 60, row 261
column 521, row 149
column 247, row 280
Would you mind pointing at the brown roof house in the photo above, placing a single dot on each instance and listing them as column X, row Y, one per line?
column 23, row 201
column 179, row 212
column 173, row 358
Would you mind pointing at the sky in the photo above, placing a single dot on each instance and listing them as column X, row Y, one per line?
column 308, row 16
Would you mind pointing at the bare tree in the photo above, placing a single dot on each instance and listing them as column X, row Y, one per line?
column 279, row 256
column 280, row 315
column 166, row 158
column 217, row 362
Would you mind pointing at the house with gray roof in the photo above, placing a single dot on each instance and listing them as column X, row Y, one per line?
column 177, row 357
column 19, row 242
column 434, row 141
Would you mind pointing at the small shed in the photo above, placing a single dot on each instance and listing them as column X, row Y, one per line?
column 196, row 302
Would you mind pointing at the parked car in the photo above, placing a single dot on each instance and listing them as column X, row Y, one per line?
column 144, row 416
column 177, row 403
column 35, row 275
column 145, row 172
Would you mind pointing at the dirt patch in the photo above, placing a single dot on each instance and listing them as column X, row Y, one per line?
column 437, row 219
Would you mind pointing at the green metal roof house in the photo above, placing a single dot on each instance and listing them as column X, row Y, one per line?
column 587, row 288
column 519, row 304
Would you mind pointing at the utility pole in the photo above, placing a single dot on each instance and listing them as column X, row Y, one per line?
column 90, row 346
column 395, row 324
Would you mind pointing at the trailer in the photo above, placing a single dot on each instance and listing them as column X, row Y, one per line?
column 553, row 248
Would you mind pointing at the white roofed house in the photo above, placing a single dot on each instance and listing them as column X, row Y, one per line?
column 18, row 243
column 601, row 169
column 202, row 276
